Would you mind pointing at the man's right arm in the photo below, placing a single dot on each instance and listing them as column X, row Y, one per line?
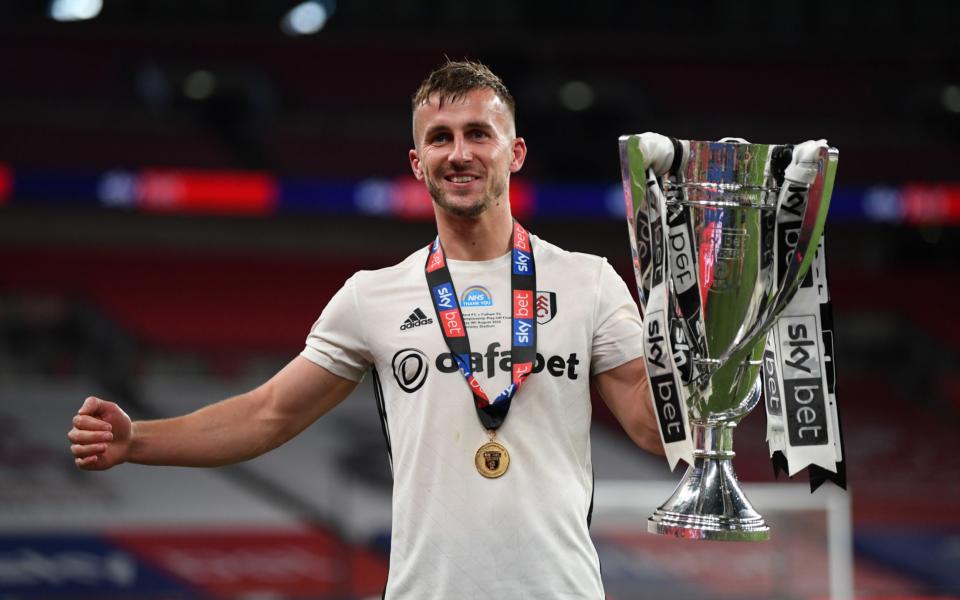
column 233, row 430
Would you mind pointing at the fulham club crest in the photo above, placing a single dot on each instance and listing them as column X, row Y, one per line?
column 546, row 306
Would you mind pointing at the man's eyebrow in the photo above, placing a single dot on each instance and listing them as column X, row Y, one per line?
column 479, row 125
column 434, row 129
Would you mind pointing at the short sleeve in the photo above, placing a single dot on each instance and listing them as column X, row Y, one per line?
column 336, row 341
column 618, row 336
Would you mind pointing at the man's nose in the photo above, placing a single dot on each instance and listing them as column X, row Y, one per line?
column 461, row 150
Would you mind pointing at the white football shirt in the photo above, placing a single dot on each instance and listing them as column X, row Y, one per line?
column 455, row 533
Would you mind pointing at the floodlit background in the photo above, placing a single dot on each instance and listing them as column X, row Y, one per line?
column 183, row 185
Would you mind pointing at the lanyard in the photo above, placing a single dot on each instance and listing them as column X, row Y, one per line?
column 523, row 342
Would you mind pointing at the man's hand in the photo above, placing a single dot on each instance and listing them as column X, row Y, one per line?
column 657, row 152
column 226, row 432
column 806, row 158
column 100, row 436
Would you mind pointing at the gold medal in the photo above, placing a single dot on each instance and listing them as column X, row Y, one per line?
column 492, row 460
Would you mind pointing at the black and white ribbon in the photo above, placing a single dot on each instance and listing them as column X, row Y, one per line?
column 666, row 351
column 799, row 382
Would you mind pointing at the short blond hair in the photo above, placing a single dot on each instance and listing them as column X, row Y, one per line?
column 455, row 79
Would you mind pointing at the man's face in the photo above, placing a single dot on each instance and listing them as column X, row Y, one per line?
column 465, row 151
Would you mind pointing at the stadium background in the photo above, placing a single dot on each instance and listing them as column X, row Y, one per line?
column 183, row 185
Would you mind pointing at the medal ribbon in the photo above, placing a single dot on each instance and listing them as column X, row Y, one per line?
column 523, row 342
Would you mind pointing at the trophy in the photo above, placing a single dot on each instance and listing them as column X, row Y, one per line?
column 722, row 236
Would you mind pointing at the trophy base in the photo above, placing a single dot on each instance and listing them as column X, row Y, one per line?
column 716, row 529
column 708, row 504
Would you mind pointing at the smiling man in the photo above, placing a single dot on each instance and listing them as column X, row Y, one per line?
column 485, row 405
column 465, row 171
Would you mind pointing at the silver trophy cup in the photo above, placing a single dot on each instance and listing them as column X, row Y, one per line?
column 722, row 235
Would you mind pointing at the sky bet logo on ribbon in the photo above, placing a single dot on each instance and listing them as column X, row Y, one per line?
column 444, row 297
column 521, row 370
column 449, row 313
column 436, row 257
column 452, row 324
column 522, row 318
column 522, row 330
column 466, row 368
column 521, row 239
column 521, row 263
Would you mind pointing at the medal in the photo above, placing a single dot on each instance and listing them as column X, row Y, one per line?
column 492, row 459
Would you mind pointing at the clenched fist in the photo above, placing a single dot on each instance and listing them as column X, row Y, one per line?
column 100, row 436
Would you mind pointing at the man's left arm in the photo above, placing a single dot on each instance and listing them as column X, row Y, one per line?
column 627, row 394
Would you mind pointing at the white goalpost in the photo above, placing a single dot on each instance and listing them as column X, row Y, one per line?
column 809, row 555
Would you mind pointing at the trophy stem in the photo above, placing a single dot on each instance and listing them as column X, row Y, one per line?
column 708, row 504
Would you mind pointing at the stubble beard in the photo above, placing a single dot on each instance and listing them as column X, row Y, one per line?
column 494, row 190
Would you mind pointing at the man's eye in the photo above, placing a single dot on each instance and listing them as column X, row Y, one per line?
column 479, row 134
column 439, row 138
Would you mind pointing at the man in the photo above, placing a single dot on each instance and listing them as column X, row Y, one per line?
column 492, row 490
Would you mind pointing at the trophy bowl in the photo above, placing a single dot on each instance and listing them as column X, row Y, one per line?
column 722, row 234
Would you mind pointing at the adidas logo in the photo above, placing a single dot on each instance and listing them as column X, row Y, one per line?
column 416, row 319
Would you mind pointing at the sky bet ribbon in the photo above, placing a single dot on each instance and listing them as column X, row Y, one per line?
column 523, row 343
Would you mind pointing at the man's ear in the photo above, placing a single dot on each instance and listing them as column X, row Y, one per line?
column 415, row 164
column 519, row 154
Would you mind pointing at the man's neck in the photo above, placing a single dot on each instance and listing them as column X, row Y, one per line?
column 481, row 238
